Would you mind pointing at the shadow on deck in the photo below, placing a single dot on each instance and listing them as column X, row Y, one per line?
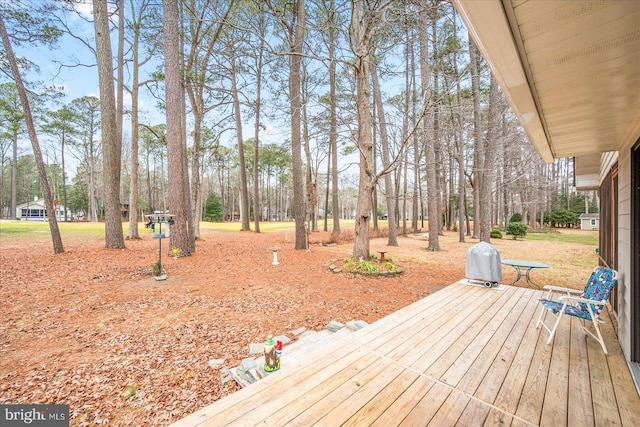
column 465, row 355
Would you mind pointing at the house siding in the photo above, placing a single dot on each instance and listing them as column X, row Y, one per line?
column 606, row 162
column 624, row 250
column 38, row 205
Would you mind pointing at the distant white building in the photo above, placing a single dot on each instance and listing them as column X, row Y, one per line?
column 36, row 211
column 589, row 221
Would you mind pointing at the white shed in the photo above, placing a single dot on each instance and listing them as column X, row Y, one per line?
column 589, row 221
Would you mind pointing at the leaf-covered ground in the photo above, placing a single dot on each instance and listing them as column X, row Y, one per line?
column 91, row 327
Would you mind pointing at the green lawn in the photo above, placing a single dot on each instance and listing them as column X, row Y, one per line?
column 583, row 237
column 277, row 226
column 90, row 230
column 27, row 228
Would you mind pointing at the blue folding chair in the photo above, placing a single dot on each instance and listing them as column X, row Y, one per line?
column 586, row 304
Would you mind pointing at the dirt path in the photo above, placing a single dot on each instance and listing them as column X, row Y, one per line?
column 91, row 328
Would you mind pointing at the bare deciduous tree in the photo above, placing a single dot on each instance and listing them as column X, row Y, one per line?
column 33, row 136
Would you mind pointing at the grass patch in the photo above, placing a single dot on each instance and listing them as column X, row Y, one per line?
column 590, row 238
column 268, row 226
column 83, row 230
column 236, row 226
column 88, row 230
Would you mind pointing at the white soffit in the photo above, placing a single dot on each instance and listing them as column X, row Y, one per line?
column 586, row 171
column 578, row 60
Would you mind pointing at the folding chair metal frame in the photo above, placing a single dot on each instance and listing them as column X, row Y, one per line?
column 573, row 304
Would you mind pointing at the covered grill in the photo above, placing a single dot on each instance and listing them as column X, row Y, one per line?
column 483, row 264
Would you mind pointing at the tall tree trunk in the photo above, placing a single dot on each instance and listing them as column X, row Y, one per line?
column 437, row 146
column 449, row 209
column 196, row 183
column 416, row 149
column 135, row 148
column 92, row 188
column 405, row 128
column 404, row 193
column 458, row 129
column 149, row 192
column 120, row 73
column 256, row 132
column 429, row 146
column 186, row 189
column 505, row 193
column 360, row 29
column 64, row 178
column 312, row 196
column 244, row 195
column 120, row 94
column 487, row 180
column 58, row 248
column 478, row 151
column 175, row 153
column 333, row 122
column 374, row 193
column 392, row 239
column 297, row 39
column 111, row 141
column 14, row 175
column 326, row 195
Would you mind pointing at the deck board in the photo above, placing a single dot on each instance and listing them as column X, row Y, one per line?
column 428, row 406
column 405, row 403
column 377, row 406
column 604, row 398
column 554, row 406
column 628, row 405
column 490, row 383
column 511, row 390
column 463, row 356
column 580, row 409
column 532, row 397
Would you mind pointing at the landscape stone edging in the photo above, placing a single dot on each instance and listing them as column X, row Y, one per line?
column 331, row 266
column 251, row 370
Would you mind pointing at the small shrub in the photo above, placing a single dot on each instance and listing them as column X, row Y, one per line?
column 517, row 229
column 370, row 266
column 367, row 266
column 350, row 263
column 496, row 234
column 516, row 217
column 390, row 266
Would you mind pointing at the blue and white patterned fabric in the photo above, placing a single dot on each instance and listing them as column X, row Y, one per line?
column 598, row 288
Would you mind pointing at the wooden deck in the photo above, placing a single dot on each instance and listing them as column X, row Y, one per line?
column 466, row 356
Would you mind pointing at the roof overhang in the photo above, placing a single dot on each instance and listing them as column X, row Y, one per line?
column 586, row 170
column 569, row 69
